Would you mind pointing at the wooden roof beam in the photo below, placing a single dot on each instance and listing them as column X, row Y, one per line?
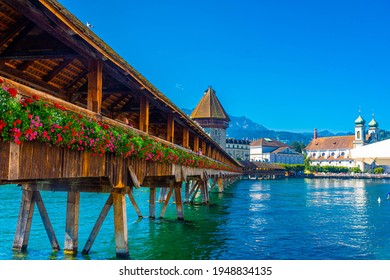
column 38, row 55
column 21, row 77
column 13, row 31
column 95, row 86
column 57, row 70
column 17, row 39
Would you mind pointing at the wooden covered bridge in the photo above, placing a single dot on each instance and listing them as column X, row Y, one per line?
column 76, row 117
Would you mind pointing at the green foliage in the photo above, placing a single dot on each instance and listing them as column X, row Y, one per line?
column 378, row 170
column 298, row 146
column 328, row 169
column 294, row 167
column 355, row 170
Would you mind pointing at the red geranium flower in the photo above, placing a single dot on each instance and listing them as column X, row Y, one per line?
column 13, row 92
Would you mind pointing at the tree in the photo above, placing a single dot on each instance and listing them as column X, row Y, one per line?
column 298, row 146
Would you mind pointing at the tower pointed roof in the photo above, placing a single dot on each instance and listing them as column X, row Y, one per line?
column 209, row 107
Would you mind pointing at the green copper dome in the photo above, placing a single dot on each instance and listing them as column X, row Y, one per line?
column 373, row 122
column 360, row 120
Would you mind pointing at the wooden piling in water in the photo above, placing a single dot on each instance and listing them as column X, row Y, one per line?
column 24, row 221
column 72, row 223
column 120, row 226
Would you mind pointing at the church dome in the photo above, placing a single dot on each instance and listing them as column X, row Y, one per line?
column 373, row 122
column 360, row 120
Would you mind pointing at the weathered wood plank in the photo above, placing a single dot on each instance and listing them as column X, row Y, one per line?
column 144, row 114
column 171, row 128
column 46, row 221
column 152, row 202
column 167, row 201
column 133, row 202
column 179, row 202
column 72, row 223
column 120, row 226
column 23, row 226
column 133, row 177
column 98, row 224
column 4, row 160
column 14, row 161
column 95, row 86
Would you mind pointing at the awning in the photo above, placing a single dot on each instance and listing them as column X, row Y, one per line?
column 378, row 152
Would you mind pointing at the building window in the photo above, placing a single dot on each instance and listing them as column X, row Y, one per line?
column 358, row 135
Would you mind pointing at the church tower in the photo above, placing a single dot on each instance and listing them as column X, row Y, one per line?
column 373, row 130
column 360, row 132
column 210, row 114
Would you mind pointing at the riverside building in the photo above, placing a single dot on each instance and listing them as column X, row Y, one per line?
column 335, row 150
column 273, row 151
column 238, row 149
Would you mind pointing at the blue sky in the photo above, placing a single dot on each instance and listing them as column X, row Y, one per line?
column 288, row 65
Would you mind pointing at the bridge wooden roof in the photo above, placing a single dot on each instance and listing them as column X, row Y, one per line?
column 44, row 46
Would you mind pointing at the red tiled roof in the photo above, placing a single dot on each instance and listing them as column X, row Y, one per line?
column 331, row 143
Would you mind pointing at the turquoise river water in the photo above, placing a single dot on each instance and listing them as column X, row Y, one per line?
column 292, row 219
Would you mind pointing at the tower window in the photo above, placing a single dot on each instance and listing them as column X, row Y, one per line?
column 358, row 135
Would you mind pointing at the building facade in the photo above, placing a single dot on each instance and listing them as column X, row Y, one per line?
column 238, row 149
column 335, row 150
column 210, row 115
column 273, row 151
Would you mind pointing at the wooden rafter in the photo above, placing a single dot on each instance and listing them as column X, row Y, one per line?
column 13, row 31
column 57, row 70
column 17, row 39
column 17, row 75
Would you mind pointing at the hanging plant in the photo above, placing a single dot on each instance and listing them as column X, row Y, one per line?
column 24, row 119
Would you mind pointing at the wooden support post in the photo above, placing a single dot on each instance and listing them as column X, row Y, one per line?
column 98, row 224
column 95, row 86
column 192, row 189
column 179, row 203
column 196, row 143
column 134, row 203
column 24, row 221
column 187, row 190
column 72, row 223
column 144, row 114
column 171, row 128
column 46, row 221
column 195, row 190
column 204, row 147
column 213, row 184
column 186, row 137
column 163, row 194
column 167, row 201
column 220, row 184
column 120, row 226
column 206, row 193
column 209, row 151
column 152, row 203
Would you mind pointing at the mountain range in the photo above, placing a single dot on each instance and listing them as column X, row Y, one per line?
column 244, row 128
